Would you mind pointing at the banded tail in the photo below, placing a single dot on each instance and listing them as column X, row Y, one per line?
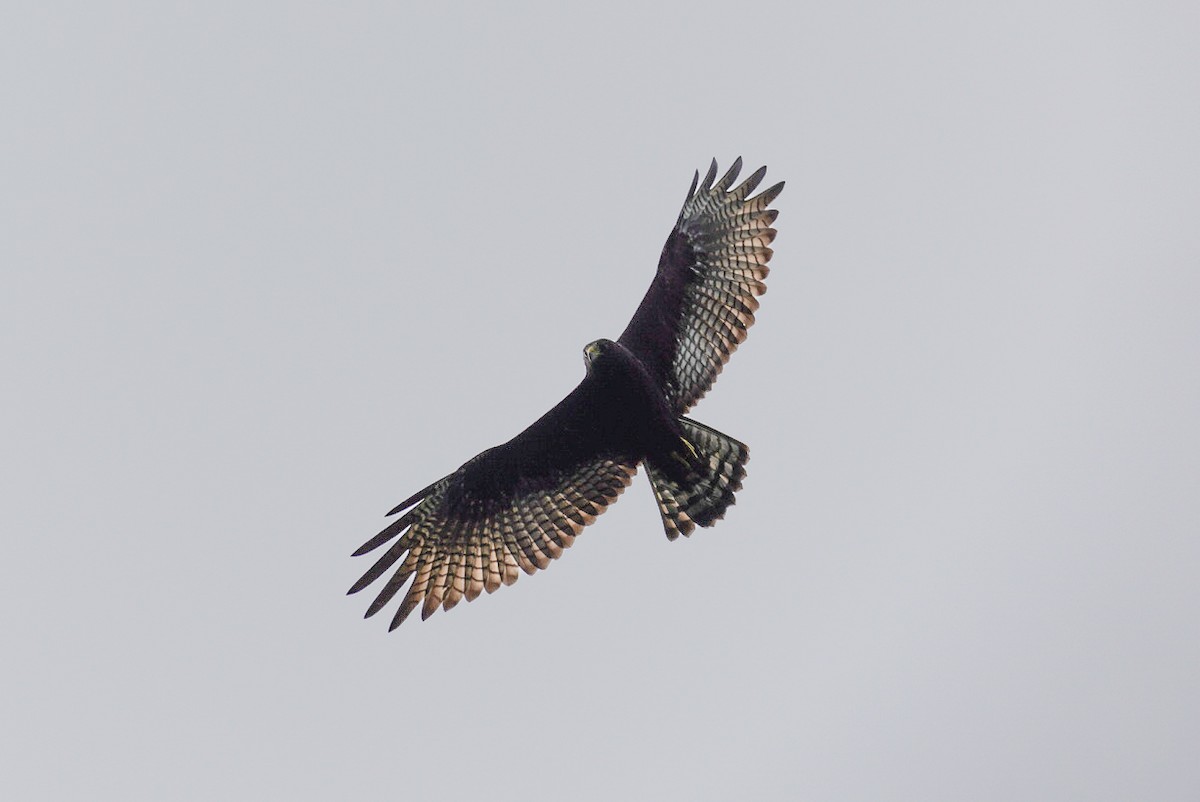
column 715, row 471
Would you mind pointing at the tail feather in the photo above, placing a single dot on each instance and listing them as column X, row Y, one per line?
column 715, row 471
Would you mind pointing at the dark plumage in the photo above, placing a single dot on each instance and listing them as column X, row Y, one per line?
column 515, row 507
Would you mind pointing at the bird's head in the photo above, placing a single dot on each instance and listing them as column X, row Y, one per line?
column 596, row 350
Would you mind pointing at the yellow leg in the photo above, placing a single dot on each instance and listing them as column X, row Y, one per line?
column 683, row 460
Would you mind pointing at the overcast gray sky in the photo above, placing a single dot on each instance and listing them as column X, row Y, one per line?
column 269, row 268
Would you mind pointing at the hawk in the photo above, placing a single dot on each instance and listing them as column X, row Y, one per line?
column 517, row 506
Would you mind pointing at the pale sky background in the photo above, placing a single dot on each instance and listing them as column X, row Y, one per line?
column 268, row 268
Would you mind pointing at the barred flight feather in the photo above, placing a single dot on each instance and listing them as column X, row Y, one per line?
column 451, row 558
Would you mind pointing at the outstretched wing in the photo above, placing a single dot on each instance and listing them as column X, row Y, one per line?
column 702, row 301
column 512, row 508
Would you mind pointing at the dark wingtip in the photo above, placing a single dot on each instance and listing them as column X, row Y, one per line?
column 710, row 176
column 380, row 602
column 413, row 499
column 751, row 183
column 773, row 192
column 383, row 537
column 362, row 582
column 390, row 531
column 690, row 194
column 730, row 175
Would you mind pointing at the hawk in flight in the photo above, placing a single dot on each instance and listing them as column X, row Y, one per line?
column 515, row 507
